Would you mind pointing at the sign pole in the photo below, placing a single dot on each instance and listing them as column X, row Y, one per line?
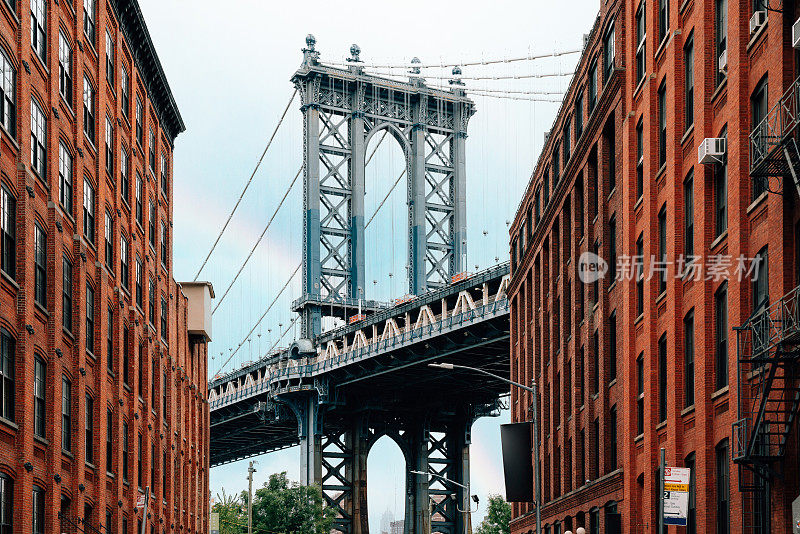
column 661, row 493
column 144, row 510
column 537, row 482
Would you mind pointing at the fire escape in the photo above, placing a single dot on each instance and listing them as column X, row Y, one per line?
column 768, row 343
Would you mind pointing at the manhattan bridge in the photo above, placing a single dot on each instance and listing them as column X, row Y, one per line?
column 336, row 392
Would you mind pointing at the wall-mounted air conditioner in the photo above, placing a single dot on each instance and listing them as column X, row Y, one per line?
column 796, row 34
column 758, row 20
column 711, row 150
column 723, row 62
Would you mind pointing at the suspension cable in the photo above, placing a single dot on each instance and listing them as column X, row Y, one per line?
column 506, row 77
column 246, row 186
column 291, row 324
column 524, row 98
column 385, row 198
column 258, row 241
column 473, row 63
column 271, row 304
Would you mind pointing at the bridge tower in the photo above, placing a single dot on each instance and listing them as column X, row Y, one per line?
column 342, row 109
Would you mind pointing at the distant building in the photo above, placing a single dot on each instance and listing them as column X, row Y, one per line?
column 396, row 527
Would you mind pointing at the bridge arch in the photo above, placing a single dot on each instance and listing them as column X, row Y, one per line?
column 386, row 481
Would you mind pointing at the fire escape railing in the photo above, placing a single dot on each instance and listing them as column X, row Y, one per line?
column 768, row 346
column 773, row 131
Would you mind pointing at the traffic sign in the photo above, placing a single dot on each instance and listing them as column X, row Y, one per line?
column 140, row 502
column 676, row 495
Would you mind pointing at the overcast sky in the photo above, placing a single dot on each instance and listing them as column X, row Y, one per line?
column 229, row 65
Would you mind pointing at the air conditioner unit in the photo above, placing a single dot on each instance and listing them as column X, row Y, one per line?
column 546, row 136
column 585, row 39
column 711, row 150
column 758, row 19
column 796, row 34
column 723, row 62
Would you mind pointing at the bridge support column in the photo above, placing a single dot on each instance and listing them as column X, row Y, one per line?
column 311, row 324
column 418, row 510
column 458, row 157
column 310, row 442
column 357, row 191
column 417, row 239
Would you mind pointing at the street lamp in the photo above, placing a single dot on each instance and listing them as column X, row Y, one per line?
column 475, row 498
column 535, row 417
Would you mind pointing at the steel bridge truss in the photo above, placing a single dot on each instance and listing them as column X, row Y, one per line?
column 342, row 110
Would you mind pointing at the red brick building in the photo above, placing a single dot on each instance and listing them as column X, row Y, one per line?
column 647, row 356
column 103, row 367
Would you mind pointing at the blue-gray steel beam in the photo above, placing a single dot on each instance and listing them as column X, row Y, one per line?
column 417, row 239
column 458, row 157
column 311, row 324
column 357, row 189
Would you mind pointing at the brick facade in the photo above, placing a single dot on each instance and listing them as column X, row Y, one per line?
column 582, row 342
column 161, row 395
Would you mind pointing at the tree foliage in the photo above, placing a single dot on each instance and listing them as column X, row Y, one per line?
column 232, row 513
column 497, row 517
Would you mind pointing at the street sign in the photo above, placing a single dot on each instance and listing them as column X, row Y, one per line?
column 676, row 495
column 214, row 523
column 140, row 502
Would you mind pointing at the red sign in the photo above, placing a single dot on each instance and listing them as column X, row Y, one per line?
column 357, row 318
column 459, row 277
column 141, row 501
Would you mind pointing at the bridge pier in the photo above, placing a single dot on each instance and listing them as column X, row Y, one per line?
column 310, row 441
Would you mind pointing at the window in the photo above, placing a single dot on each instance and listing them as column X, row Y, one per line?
column 639, row 160
column 609, row 52
column 760, row 280
column 6, row 503
column 140, row 367
column 125, row 92
column 612, row 439
column 721, row 334
column 163, row 244
column 89, row 20
column 639, row 260
column 139, row 206
column 109, row 433
column 596, row 283
column 581, row 372
column 7, row 363
column 66, row 414
column 595, row 364
column 39, row 28
column 688, row 215
column 89, row 317
column 40, row 265
column 8, row 95
column 139, row 287
column 64, row 68
column 110, row 58
column 139, row 461
column 721, row 35
column 39, row 385
column 139, row 128
column 89, row 443
column 688, row 81
column 152, row 152
column 65, row 177
column 38, row 139
column 88, row 109
column 163, row 318
column 612, row 247
column 109, row 146
column 125, row 451
column 723, row 488
column 662, row 124
column 662, row 378
column 151, row 301
column 688, row 359
column 88, row 210
column 758, row 106
column 597, row 450
column 663, row 20
column 109, row 238
column 640, row 397
column 164, row 175
column 37, row 513
column 592, row 86
column 691, row 520
column 154, row 387
column 151, row 221
column 556, row 172
column 662, row 249
column 610, row 139
column 612, row 346
column 721, row 194
column 66, row 295
column 8, row 232
column 126, row 361
column 164, row 395
column 110, row 340
column 565, row 137
column 123, row 262
column 124, row 182
column 641, row 37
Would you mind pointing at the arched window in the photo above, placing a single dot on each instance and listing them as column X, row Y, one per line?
column 7, row 353
column 6, row 503
column 8, row 95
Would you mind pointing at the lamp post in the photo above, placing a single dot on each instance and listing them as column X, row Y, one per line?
column 460, row 485
column 531, row 389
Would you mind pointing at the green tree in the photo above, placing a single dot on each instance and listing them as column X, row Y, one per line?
column 497, row 517
column 232, row 513
column 286, row 507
